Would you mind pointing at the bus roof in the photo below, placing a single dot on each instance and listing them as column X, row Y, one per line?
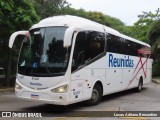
column 74, row 21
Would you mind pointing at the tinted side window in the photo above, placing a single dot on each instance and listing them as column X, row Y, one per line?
column 133, row 49
column 126, row 47
column 88, row 45
column 130, row 47
column 145, row 49
column 113, row 44
column 116, row 44
column 95, row 43
column 79, row 51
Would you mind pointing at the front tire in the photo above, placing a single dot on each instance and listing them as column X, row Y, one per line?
column 96, row 96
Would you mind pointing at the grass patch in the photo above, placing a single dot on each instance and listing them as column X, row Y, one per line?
column 6, row 89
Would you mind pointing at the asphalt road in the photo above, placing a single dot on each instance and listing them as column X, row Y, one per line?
column 147, row 100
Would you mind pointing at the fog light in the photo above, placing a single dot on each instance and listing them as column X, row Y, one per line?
column 61, row 89
column 17, row 86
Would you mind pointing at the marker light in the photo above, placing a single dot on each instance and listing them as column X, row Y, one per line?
column 61, row 89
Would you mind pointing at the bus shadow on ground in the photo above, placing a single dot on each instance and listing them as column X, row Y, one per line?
column 76, row 109
column 117, row 95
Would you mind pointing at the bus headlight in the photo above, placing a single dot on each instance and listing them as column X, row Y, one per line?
column 17, row 86
column 61, row 89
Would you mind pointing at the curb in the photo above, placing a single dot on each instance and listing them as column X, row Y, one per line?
column 156, row 81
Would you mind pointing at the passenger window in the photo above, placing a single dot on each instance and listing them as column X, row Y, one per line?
column 88, row 45
column 133, row 49
column 123, row 46
column 126, row 47
column 113, row 44
column 145, row 49
column 95, row 44
column 130, row 47
column 79, row 51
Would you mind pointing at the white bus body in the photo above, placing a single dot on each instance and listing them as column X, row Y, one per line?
column 68, row 59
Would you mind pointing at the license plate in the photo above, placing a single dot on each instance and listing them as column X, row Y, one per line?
column 34, row 96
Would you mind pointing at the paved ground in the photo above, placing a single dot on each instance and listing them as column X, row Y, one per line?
column 156, row 80
column 147, row 100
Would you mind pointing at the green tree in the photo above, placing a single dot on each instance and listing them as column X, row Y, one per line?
column 154, row 37
column 154, row 32
column 140, row 28
column 14, row 15
column 48, row 8
column 98, row 17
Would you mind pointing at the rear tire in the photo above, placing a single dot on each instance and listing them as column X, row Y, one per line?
column 96, row 96
column 139, row 88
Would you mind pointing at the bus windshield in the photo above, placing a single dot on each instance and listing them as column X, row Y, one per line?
column 43, row 54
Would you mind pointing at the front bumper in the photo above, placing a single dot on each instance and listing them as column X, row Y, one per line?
column 44, row 96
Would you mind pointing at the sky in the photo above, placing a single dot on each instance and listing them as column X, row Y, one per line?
column 125, row 10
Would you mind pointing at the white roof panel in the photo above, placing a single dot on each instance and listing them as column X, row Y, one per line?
column 68, row 20
column 71, row 21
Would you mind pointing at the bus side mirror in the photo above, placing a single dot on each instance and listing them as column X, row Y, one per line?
column 14, row 35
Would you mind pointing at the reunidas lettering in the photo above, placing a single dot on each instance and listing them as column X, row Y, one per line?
column 120, row 62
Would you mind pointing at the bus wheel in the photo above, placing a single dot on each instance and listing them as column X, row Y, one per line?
column 96, row 95
column 139, row 88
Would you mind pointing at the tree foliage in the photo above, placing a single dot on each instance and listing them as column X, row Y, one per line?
column 48, row 8
column 99, row 17
column 154, row 40
column 154, row 37
column 150, row 16
column 14, row 15
column 141, row 27
column 154, row 32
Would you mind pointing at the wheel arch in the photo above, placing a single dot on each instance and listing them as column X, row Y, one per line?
column 99, row 83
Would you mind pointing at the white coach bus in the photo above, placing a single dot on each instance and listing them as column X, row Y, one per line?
column 68, row 59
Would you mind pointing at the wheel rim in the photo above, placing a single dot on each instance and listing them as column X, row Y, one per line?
column 95, row 95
